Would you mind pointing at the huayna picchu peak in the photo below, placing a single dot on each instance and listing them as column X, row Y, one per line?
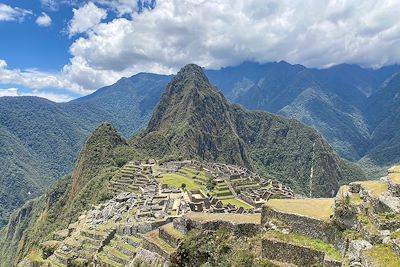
column 194, row 120
column 207, row 183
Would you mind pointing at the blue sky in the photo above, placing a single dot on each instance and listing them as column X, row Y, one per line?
column 63, row 49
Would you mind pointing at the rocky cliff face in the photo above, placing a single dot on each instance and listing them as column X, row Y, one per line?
column 194, row 120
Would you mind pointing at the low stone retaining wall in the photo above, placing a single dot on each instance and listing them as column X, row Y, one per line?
column 150, row 258
column 286, row 252
column 148, row 245
column 141, row 228
column 164, row 235
column 273, row 249
column 307, row 226
column 238, row 229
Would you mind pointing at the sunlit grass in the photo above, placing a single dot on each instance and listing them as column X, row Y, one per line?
column 318, row 208
column 176, row 181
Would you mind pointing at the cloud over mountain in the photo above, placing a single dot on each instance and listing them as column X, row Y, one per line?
column 164, row 35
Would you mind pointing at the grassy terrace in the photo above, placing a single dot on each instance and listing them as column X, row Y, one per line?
column 301, row 240
column 318, row 208
column 176, row 181
column 194, row 173
column 382, row 255
column 394, row 174
column 122, row 244
column 354, row 197
column 233, row 218
column 108, row 261
column 237, row 203
column 375, row 187
column 116, row 253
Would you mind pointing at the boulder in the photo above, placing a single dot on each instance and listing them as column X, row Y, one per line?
column 355, row 249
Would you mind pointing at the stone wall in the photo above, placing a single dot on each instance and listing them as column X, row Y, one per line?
column 286, row 252
column 307, row 226
column 394, row 188
column 146, row 244
column 174, row 242
column 240, row 229
column 149, row 258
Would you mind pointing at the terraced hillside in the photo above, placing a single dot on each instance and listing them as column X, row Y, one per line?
column 157, row 224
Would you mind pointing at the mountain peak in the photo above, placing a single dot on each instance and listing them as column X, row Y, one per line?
column 191, row 70
column 96, row 154
column 190, row 77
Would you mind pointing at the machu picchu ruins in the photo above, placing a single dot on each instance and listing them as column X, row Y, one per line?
column 155, row 205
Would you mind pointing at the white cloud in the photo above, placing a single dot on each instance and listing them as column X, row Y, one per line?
column 122, row 7
column 221, row 33
column 37, row 80
column 48, row 95
column 85, row 18
column 9, row 92
column 43, row 20
column 8, row 13
column 315, row 33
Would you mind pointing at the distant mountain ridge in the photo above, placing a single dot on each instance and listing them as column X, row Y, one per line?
column 192, row 120
column 348, row 105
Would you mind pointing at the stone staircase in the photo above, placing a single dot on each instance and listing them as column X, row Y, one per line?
column 120, row 251
column 163, row 241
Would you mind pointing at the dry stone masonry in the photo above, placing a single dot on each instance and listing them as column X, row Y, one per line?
column 149, row 216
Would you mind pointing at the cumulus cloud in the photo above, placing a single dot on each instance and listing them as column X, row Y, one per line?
column 214, row 34
column 86, row 18
column 43, row 20
column 36, row 79
column 221, row 33
column 8, row 13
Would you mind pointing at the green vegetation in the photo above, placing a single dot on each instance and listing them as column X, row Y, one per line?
column 237, row 202
column 366, row 222
column 206, row 248
column 375, row 187
column 319, row 208
column 354, row 198
column 193, row 120
column 193, row 173
column 382, row 255
column 302, row 240
column 351, row 235
column 63, row 202
column 106, row 260
column 176, row 181
column 40, row 140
